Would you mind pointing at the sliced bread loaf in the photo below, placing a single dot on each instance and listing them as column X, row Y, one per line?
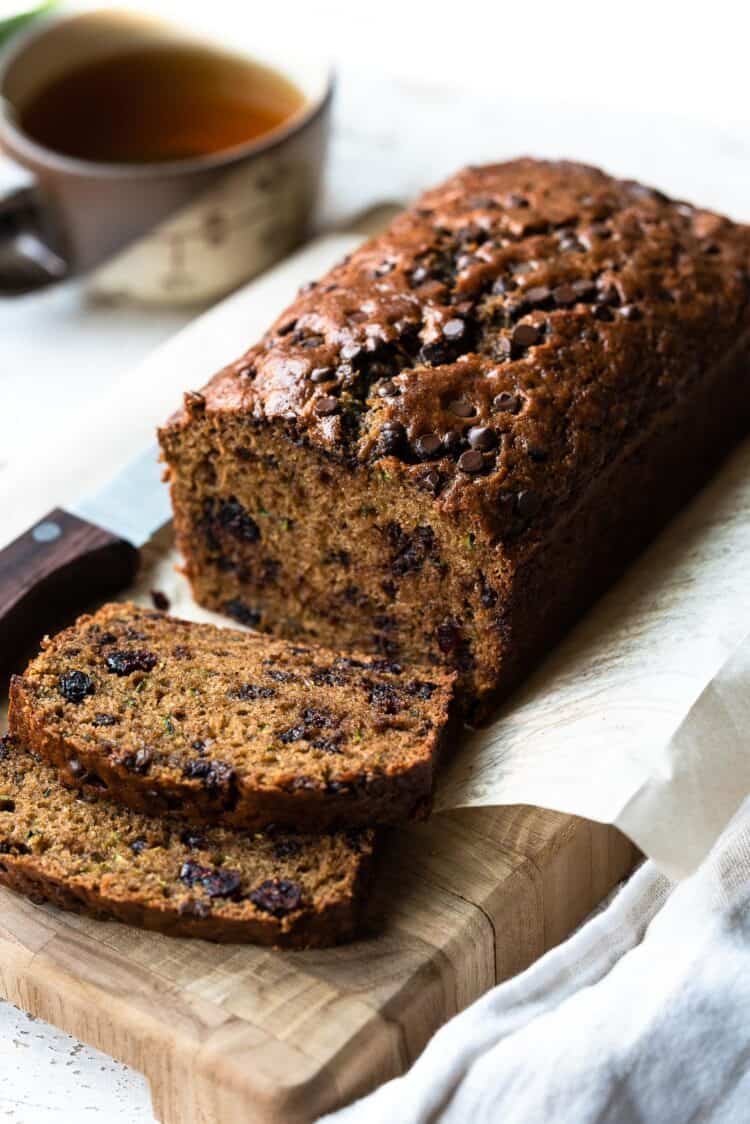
column 83, row 853
column 221, row 725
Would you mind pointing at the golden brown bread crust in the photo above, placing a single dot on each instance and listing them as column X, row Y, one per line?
column 82, row 853
column 224, row 726
column 523, row 331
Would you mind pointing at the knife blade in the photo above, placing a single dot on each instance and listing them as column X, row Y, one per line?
column 75, row 556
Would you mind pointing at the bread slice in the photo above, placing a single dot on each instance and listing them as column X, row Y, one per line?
column 221, row 725
column 83, row 853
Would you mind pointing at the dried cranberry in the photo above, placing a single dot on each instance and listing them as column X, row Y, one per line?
column 213, row 774
column 249, row 691
column 104, row 720
column 293, row 734
column 385, row 697
column 233, row 517
column 217, row 881
column 75, row 685
column 277, row 896
column 125, row 661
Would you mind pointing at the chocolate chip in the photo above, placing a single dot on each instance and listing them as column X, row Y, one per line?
column 453, row 441
column 74, row 686
column 104, row 720
column 454, row 329
column 631, row 312
column 326, row 406
column 217, row 881
column 126, row 661
column 160, row 600
column 277, row 896
column 507, row 403
column 388, row 389
column 436, row 353
column 427, row 445
column 472, row 461
column 528, row 504
column 482, row 437
column 391, row 439
column 310, row 341
column 584, row 289
column 603, row 312
column 461, row 408
column 538, row 296
column 523, row 337
column 564, row 296
column 322, row 374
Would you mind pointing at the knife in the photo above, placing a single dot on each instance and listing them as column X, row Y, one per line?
column 75, row 556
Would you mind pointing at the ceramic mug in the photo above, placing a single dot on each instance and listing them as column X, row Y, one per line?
column 209, row 221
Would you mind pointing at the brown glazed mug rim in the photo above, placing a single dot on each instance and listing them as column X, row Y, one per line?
column 24, row 147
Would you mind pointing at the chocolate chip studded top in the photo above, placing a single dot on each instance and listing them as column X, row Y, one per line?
column 165, row 714
column 507, row 336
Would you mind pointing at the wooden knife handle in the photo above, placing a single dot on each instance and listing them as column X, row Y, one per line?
column 59, row 566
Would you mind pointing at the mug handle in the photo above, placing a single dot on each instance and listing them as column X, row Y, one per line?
column 28, row 260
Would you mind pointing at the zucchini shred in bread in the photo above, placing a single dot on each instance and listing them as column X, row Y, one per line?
column 81, row 852
column 443, row 450
column 222, row 725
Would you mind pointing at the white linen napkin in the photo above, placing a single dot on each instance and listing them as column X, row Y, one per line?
column 641, row 1016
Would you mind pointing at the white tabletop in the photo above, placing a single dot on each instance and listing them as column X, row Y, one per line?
column 392, row 137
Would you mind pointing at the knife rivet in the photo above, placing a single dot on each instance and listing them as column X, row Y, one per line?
column 46, row 532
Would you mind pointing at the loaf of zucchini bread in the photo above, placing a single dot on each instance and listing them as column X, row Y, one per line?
column 447, row 446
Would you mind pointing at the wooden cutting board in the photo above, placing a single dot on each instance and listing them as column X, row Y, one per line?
column 230, row 1033
column 227, row 1033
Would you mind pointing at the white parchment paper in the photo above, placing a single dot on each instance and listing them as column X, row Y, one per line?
column 640, row 718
